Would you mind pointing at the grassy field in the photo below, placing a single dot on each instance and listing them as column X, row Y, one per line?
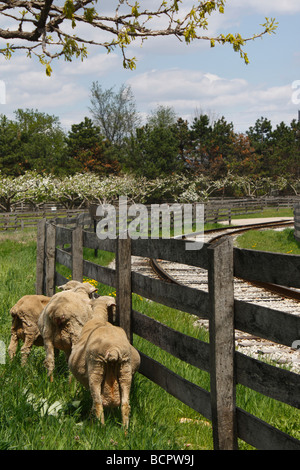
column 36, row 414
column 282, row 241
column 268, row 212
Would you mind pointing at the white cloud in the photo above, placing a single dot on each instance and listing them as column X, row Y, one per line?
column 98, row 65
column 267, row 6
column 236, row 99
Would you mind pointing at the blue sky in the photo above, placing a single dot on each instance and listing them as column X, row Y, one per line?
column 191, row 79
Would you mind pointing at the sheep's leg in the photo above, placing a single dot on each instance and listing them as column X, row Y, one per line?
column 125, row 379
column 96, row 375
column 26, row 348
column 12, row 348
column 67, row 355
column 49, row 361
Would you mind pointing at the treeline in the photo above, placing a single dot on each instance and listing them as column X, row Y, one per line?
column 115, row 142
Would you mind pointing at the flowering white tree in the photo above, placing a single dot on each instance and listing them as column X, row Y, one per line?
column 14, row 190
column 82, row 189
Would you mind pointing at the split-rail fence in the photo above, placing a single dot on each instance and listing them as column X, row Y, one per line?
column 226, row 366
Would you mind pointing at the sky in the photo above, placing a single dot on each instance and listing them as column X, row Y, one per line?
column 191, row 79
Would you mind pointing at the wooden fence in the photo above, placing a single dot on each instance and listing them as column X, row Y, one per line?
column 22, row 220
column 215, row 210
column 297, row 221
column 226, row 366
column 211, row 214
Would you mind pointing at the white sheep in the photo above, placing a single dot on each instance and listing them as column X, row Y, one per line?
column 104, row 361
column 25, row 314
column 61, row 322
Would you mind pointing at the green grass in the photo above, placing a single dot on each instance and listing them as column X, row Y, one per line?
column 267, row 212
column 158, row 420
column 282, row 241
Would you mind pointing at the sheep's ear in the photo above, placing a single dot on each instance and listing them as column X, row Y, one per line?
column 112, row 312
column 111, row 302
column 89, row 288
column 12, row 312
column 61, row 287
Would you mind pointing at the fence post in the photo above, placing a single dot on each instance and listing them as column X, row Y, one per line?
column 50, row 259
column 40, row 257
column 123, row 285
column 77, row 254
column 297, row 222
column 222, row 345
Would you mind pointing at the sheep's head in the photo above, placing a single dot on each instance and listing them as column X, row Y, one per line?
column 77, row 286
column 70, row 285
column 13, row 312
column 108, row 303
column 86, row 288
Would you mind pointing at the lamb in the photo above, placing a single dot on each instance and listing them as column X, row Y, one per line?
column 61, row 322
column 104, row 361
column 25, row 314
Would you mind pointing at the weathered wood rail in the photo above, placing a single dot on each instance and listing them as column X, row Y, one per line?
column 226, row 367
column 22, row 220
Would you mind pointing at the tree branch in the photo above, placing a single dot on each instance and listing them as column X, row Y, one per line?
column 126, row 24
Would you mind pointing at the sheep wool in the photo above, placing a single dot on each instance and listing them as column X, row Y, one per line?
column 104, row 361
column 25, row 314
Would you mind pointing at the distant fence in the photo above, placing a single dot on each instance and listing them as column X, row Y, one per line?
column 22, row 220
column 213, row 213
column 263, row 201
column 215, row 210
column 297, row 221
column 226, row 367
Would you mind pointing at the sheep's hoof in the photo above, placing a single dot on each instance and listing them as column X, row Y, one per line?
column 99, row 413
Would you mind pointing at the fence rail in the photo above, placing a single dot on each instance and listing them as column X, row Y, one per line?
column 23, row 220
column 226, row 367
column 216, row 210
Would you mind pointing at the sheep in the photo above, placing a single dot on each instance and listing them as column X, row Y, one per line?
column 61, row 322
column 25, row 314
column 104, row 361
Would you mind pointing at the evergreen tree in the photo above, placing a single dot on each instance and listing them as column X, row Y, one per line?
column 10, row 146
column 88, row 150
